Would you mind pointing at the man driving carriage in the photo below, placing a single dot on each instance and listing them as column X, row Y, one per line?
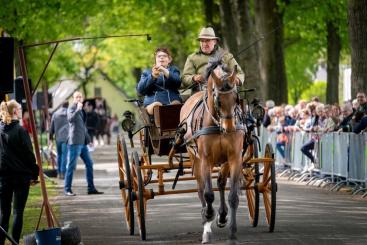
column 196, row 63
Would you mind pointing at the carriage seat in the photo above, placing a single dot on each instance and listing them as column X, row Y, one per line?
column 167, row 117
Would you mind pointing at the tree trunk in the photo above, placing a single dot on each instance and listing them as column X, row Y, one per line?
column 238, row 37
column 269, row 23
column 333, row 55
column 248, row 56
column 229, row 25
column 211, row 15
column 357, row 16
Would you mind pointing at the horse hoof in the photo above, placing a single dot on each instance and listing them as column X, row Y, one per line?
column 207, row 217
column 206, row 237
column 221, row 224
column 233, row 237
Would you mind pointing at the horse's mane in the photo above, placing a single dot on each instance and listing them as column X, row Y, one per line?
column 214, row 62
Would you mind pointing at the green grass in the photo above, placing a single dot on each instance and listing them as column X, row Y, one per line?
column 33, row 209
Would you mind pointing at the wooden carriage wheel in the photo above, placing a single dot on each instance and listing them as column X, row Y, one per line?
column 125, row 183
column 268, row 187
column 252, row 193
column 146, row 157
column 139, row 189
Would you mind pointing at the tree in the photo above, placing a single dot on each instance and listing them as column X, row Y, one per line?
column 333, row 56
column 315, row 33
column 357, row 19
column 237, row 26
column 269, row 20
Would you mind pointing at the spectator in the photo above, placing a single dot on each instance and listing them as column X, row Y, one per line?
column 92, row 120
column 196, row 63
column 269, row 104
column 18, row 168
column 346, row 124
column 330, row 121
column 362, row 101
column 60, row 128
column 115, row 127
column 301, row 105
column 355, row 104
column 161, row 83
column 303, row 120
column 316, row 124
column 25, row 122
column 77, row 145
column 361, row 126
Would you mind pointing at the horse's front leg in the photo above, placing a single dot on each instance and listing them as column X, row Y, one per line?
column 233, row 199
column 199, row 179
column 207, row 212
column 223, row 209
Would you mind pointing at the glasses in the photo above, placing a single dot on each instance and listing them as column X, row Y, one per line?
column 162, row 56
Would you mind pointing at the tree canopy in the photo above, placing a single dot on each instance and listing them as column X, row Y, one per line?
column 173, row 24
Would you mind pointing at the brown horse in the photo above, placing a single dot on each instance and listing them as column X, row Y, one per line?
column 214, row 137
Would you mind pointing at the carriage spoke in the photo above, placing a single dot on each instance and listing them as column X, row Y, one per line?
column 266, row 181
column 266, row 171
column 250, row 201
column 267, row 205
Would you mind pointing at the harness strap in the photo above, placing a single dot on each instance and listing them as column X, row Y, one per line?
column 213, row 130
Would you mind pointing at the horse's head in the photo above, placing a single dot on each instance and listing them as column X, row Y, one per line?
column 225, row 97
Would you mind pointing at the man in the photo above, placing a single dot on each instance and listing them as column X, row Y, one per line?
column 60, row 128
column 269, row 104
column 77, row 145
column 362, row 101
column 92, row 120
column 346, row 124
column 196, row 63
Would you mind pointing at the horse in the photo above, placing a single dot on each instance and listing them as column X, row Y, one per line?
column 214, row 136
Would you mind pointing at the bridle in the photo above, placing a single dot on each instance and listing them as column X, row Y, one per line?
column 217, row 105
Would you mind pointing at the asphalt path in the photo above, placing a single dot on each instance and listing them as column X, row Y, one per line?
column 304, row 215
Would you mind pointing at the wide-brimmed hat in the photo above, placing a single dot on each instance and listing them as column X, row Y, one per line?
column 207, row 33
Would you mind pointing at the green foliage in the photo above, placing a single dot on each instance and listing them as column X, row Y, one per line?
column 305, row 39
column 173, row 24
column 318, row 89
column 38, row 21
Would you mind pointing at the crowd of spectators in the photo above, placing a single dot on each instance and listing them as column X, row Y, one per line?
column 315, row 117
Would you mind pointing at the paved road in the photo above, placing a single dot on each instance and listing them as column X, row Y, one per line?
column 305, row 215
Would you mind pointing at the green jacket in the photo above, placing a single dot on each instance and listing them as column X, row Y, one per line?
column 196, row 64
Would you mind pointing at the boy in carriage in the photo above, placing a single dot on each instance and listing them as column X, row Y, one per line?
column 160, row 84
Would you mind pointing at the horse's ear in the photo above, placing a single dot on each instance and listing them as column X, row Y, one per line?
column 233, row 75
column 215, row 77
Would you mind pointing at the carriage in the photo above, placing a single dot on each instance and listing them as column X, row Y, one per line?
column 141, row 179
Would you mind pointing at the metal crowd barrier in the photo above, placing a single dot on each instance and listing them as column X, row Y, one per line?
column 341, row 158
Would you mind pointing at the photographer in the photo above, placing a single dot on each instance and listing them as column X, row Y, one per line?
column 18, row 168
column 161, row 83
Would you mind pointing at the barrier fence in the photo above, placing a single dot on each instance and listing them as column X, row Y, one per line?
column 339, row 155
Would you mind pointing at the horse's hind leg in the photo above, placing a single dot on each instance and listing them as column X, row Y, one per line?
column 223, row 209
